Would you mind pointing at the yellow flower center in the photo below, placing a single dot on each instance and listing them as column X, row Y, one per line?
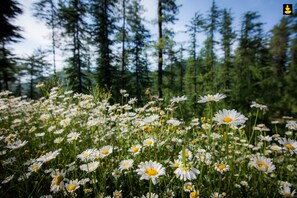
column 151, row 172
column 58, row 179
column 126, row 165
column 275, row 148
column 71, row 187
column 263, row 165
column 176, row 164
column 202, row 157
column 221, row 166
column 147, row 128
column 193, row 194
column 189, row 187
column 287, row 194
column 289, row 146
column 117, row 172
column 187, row 155
column 35, row 168
column 85, row 155
column 117, row 194
column 227, row 119
column 135, row 149
column 149, row 142
column 105, row 152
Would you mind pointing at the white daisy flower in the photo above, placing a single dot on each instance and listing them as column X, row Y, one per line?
column 276, row 148
column 49, row 156
column 263, row 164
column 176, row 163
column 211, row 98
column 117, row 194
column 174, row 122
column 187, row 172
column 169, row 194
column 58, row 180
column 150, row 195
column 86, row 155
column 286, row 191
column 135, row 149
column 126, row 164
column 291, row 125
column 216, row 195
column 178, row 99
column 58, row 140
column 72, row 186
column 116, row 173
column 289, row 145
column 229, row 117
column 90, row 167
column 188, row 187
column 72, row 136
column 188, row 155
column 65, row 122
column 259, row 106
column 150, row 170
column 221, row 167
column 17, row 144
column 35, row 167
column 149, row 142
column 105, row 151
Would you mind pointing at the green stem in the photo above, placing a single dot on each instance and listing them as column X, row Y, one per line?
column 254, row 126
column 150, row 189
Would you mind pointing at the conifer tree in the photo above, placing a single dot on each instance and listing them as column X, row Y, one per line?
column 210, row 57
column 9, row 33
column 103, row 26
column 291, row 76
column 47, row 11
column 167, row 12
column 250, row 61
column 138, row 42
column 72, row 16
column 227, row 40
column 195, row 27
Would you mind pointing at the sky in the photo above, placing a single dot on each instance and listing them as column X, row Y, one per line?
column 36, row 35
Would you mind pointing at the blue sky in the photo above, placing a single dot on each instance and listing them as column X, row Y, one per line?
column 36, row 34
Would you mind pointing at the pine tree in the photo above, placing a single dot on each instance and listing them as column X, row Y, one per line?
column 167, row 11
column 138, row 42
column 227, row 40
column 103, row 28
column 278, row 49
column 195, row 27
column 72, row 15
column 291, row 75
column 9, row 33
column 210, row 56
column 250, row 61
column 47, row 11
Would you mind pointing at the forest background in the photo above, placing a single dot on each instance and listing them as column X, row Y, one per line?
column 109, row 44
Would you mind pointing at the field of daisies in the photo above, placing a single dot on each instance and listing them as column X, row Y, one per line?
column 76, row 145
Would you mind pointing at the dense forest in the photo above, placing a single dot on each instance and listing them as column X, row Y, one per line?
column 108, row 45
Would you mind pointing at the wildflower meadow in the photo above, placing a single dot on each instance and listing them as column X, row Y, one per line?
column 75, row 145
